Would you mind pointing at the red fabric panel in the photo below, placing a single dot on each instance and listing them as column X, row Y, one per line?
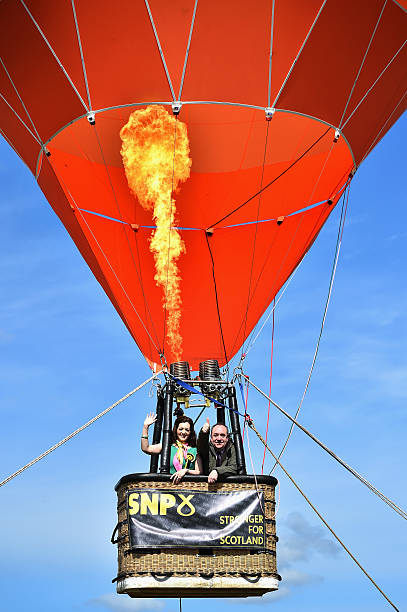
column 226, row 166
column 368, row 123
column 292, row 21
column 118, row 41
column 61, row 206
column 228, row 62
column 18, row 136
column 229, row 54
column 127, row 265
column 59, row 28
column 173, row 23
column 46, row 92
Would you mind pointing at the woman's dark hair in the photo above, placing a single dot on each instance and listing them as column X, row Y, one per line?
column 192, row 435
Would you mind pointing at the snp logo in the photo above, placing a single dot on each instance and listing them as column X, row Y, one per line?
column 159, row 503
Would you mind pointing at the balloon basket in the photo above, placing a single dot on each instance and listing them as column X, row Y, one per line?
column 189, row 570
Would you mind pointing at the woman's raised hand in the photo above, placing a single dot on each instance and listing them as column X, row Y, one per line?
column 150, row 419
column 178, row 475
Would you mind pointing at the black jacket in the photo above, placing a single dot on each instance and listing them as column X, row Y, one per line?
column 208, row 455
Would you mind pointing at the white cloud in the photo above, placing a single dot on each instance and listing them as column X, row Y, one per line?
column 302, row 540
column 123, row 603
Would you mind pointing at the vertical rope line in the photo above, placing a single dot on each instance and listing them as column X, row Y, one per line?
column 159, row 48
column 187, row 51
column 21, row 100
column 245, row 401
column 81, row 54
column 322, row 519
column 331, row 281
column 255, row 235
column 362, row 63
column 217, row 305
column 55, row 56
column 125, row 233
column 271, row 52
column 169, row 235
column 299, row 53
column 371, row 87
column 271, row 374
column 341, row 462
column 258, row 491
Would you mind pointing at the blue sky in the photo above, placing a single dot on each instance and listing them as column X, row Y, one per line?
column 65, row 356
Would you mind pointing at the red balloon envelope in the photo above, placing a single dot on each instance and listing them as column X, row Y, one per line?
column 282, row 101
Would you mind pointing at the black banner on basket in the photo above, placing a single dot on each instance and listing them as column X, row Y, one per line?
column 196, row 519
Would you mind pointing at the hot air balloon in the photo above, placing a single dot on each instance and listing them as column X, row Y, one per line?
column 193, row 151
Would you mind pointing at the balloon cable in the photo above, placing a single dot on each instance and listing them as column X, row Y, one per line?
column 252, row 426
column 74, row 433
column 274, row 179
column 271, row 374
column 217, row 305
column 363, row 480
column 331, row 281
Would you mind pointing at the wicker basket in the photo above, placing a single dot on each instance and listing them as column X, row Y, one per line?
column 188, row 572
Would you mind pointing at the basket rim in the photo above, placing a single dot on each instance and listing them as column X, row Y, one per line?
column 238, row 479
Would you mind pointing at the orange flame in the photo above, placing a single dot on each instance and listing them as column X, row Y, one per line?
column 155, row 152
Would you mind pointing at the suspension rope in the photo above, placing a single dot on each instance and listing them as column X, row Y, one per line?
column 116, row 200
column 169, row 235
column 187, row 51
column 110, row 266
column 217, row 305
column 362, row 64
column 74, row 433
column 299, row 52
column 252, row 426
column 363, row 480
column 21, row 100
column 271, row 52
column 258, row 491
column 378, row 135
column 55, row 55
column 21, row 120
column 253, row 340
column 271, row 374
column 255, row 235
column 85, row 76
column 274, row 179
column 331, row 281
column 157, row 40
column 302, row 255
column 373, row 84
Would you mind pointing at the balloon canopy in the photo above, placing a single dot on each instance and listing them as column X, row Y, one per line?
column 193, row 222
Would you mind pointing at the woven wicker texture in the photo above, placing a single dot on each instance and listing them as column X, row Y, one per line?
column 181, row 562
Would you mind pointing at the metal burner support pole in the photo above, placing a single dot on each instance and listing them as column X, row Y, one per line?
column 166, row 444
column 220, row 414
column 157, row 429
column 237, row 435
